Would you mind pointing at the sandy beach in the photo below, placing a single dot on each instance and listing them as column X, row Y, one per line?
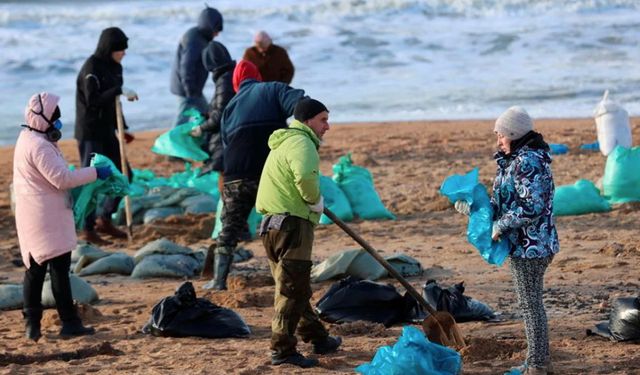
column 598, row 262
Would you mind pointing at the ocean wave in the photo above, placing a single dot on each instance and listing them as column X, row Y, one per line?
column 144, row 11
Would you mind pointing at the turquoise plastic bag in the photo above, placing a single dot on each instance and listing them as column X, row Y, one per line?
column 179, row 143
column 466, row 187
column 335, row 200
column 583, row 197
column 253, row 221
column 190, row 178
column 85, row 197
column 357, row 184
column 621, row 180
column 413, row 354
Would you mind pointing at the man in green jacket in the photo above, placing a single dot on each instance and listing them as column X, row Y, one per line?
column 290, row 200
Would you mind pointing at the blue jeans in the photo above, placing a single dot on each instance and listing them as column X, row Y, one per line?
column 184, row 103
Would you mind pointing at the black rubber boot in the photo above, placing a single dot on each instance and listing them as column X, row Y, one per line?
column 329, row 345
column 71, row 323
column 32, row 317
column 295, row 359
column 74, row 327
column 221, row 267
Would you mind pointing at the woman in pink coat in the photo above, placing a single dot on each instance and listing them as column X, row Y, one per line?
column 44, row 216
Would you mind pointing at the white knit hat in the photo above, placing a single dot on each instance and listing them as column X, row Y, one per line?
column 514, row 123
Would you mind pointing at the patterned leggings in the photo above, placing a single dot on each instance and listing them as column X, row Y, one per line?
column 528, row 277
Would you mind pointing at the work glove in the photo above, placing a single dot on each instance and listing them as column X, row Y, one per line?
column 463, row 207
column 495, row 231
column 317, row 207
column 196, row 132
column 129, row 94
column 104, row 172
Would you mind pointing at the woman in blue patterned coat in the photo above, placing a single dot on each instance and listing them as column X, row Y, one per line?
column 523, row 213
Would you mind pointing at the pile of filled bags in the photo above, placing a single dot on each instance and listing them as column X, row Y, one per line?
column 184, row 192
column 351, row 193
column 621, row 180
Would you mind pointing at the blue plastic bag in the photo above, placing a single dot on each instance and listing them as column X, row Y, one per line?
column 413, row 354
column 595, row 146
column 558, row 148
column 357, row 184
column 583, row 197
column 179, row 143
column 466, row 187
column 335, row 200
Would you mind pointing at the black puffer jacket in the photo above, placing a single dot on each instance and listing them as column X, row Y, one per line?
column 217, row 60
column 98, row 84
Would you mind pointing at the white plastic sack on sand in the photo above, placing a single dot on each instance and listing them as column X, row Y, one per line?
column 612, row 123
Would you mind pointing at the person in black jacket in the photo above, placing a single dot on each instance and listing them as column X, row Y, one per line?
column 217, row 60
column 97, row 86
column 188, row 74
column 257, row 109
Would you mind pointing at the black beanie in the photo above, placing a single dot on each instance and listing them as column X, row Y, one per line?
column 308, row 108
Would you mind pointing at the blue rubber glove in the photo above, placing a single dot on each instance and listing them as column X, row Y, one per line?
column 104, row 172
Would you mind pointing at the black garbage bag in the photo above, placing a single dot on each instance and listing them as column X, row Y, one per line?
column 624, row 321
column 453, row 300
column 352, row 299
column 184, row 315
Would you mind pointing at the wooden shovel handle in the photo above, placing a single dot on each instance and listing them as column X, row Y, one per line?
column 380, row 260
column 123, row 165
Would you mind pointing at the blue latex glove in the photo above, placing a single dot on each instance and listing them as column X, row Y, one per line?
column 104, row 172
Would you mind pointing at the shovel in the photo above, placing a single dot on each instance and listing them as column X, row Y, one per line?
column 207, row 269
column 123, row 164
column 440, row 327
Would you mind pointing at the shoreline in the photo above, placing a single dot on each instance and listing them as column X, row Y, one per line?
column 540, row 121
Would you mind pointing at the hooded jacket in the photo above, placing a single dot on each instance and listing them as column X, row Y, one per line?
column 522, row 198
column 290, row 179
column 274, row 64
column 44, row 217
column 188, row 74
column 257, row 109
column 98, row 84
column 217, row 60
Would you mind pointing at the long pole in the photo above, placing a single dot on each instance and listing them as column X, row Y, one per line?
column 365, row 245
column 123, row 165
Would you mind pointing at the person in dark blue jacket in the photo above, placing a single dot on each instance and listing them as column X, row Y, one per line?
column 257, row 109
column 188, row 74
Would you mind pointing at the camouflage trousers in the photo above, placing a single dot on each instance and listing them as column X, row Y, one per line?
column 239, row 197
column 289, row 253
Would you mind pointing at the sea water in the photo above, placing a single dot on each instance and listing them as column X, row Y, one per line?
column 367, row 60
